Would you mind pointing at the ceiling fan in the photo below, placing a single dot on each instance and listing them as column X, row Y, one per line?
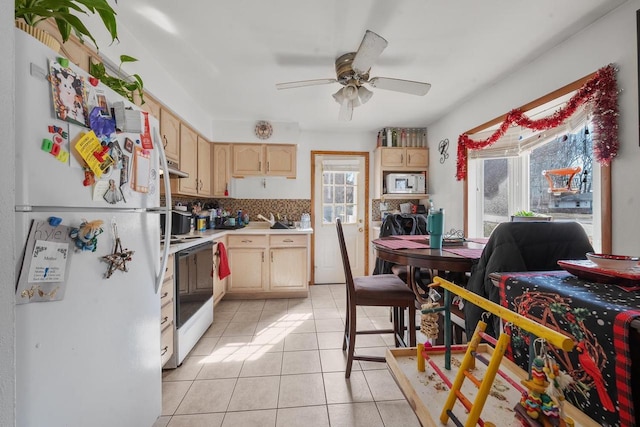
column 352, row 71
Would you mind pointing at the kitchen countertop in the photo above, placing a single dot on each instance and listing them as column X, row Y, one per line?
column 197, row 237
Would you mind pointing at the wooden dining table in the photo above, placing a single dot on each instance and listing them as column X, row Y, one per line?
column 414, row 252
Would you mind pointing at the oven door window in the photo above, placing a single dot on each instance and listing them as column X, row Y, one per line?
column 194, row 282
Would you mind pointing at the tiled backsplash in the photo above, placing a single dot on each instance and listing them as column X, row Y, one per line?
column 291, row 208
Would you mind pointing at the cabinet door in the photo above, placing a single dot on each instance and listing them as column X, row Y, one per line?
column 392, row 157
column 248, row 270
column 152, row 107
column 247, row 159
column 288, row 269
column 188, row 160
column 204, row 167
column 221, row 169
column 417, row 157
column 170, row 130
column 281, row 160
column 203, row 279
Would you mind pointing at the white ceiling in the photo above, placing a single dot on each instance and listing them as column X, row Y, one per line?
column 229, row 55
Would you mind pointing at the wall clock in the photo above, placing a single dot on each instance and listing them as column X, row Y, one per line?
column 263, row 129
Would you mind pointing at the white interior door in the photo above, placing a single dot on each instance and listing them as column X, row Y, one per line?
column 339, row 193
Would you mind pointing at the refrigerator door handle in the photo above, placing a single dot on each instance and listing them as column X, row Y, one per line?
column 167, row 217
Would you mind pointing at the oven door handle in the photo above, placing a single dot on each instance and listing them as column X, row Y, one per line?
column 193, row 249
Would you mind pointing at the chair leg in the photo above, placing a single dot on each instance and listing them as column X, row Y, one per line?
column 398, row 313
column 346, row 327
column 411, row 330
column 352, row 340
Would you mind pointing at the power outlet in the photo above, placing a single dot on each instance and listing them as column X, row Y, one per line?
column 383, row 206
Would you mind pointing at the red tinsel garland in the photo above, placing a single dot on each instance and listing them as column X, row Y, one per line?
column 602, row 90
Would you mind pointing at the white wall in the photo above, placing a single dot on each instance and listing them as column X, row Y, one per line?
column 611, row 39
column 7, row 176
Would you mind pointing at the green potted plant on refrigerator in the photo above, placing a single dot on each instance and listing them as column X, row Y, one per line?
column 65, row 13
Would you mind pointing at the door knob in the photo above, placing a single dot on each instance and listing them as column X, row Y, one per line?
column 360, row 229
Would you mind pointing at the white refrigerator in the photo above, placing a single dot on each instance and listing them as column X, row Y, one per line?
column 93, row 357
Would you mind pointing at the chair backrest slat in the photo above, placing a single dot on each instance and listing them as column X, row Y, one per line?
column 348, row 276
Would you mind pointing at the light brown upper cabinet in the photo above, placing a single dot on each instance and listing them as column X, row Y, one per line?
column 264, row 160
column 204, row 167
column 221, row 169
column 195, row 159
column 399, row 158
column 170, row 134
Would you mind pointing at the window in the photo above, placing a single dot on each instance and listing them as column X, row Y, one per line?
column 339, row 194
column 548, row 173
column 553, row 178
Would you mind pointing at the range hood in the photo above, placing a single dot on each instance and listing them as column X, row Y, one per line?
column 174, row 170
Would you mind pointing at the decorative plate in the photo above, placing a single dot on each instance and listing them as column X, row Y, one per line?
column 614, row 262
column 263, row 129
column 588, row 270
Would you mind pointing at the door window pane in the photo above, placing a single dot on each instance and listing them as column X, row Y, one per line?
column 339, row 196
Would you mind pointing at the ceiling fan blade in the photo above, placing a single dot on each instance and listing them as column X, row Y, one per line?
column 302, row 83
column 398, row 85
column 370, row 49
column 346, row 110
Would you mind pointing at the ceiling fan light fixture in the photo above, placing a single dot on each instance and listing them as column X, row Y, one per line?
column 350, row 92
column 339, row 96
column 364, row 94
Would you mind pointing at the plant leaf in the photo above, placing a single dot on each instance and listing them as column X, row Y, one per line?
column 127, row 58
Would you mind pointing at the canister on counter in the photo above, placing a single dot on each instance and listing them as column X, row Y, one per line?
column 201, row 223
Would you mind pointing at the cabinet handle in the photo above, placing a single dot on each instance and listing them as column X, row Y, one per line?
column 288, row 241
column 165, row 319
column 164, row 295
column 401, row 158
column 164, row 350
column 247, row 241
column 262, row 256
column 408, row 158
column 200, row 185
column 268, row 167
column 272, row 257
column 259, row 165
column 165, row 141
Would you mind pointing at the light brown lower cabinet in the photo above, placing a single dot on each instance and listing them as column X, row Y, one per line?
column 268, row 266
column 167, row 310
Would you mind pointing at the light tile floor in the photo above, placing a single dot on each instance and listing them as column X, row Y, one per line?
column 279, row 363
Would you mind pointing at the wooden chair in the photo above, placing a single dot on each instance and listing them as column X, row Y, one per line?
column 382, row 290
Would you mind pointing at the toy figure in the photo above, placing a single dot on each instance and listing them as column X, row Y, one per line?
column 86, row 236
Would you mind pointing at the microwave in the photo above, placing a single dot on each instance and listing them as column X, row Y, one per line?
column 406, row 183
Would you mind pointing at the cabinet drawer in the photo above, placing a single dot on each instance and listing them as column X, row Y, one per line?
column 287, row 240
column 166, row 345
column 248, row 241
column 166, row 316
column 168, row 271
column 166, row 292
